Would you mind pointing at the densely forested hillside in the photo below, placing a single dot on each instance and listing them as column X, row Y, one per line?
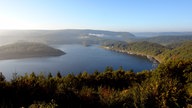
column 166, row 40
column 157, row 51
column 182, row 51
column 146, row 48
column 139, row 48
column 26, row 50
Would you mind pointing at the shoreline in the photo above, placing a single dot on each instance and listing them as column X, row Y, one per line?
column 30, row 56
column 151, row 58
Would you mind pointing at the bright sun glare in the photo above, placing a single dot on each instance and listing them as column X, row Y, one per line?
column 7, row 23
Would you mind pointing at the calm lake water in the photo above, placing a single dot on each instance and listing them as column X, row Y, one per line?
column 77, row 59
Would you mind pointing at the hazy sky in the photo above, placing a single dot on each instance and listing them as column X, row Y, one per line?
column 119, row 15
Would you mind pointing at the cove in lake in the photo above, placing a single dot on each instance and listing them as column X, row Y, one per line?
column 77, row 59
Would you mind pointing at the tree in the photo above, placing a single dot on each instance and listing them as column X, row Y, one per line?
column 50, row 76
column 32, row 75
column 2, row 77
column 108, row 69
column 59, row 75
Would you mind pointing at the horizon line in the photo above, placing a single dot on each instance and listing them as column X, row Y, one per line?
column 89, row 29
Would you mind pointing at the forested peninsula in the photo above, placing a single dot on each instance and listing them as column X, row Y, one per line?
column 21, row 50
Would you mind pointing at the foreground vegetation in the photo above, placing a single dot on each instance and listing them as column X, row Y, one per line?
column 167, row 86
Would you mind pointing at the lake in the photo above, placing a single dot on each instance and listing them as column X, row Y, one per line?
column 77, row 59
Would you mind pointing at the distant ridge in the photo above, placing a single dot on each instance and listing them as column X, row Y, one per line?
column 64, row 31
column 65, row 36
column 166, row 40
column 154, row 34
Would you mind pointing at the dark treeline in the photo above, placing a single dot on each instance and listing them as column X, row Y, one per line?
column 169, row 85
